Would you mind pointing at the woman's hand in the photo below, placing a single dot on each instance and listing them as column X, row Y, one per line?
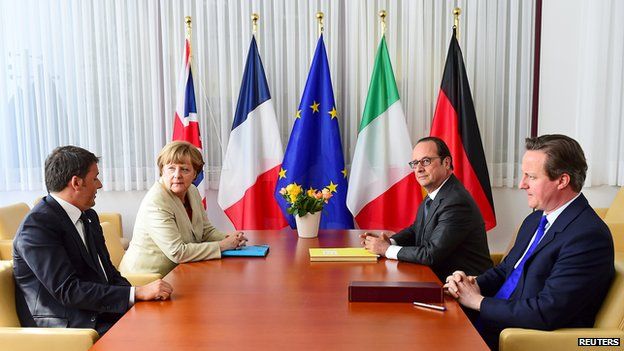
column 232, row 241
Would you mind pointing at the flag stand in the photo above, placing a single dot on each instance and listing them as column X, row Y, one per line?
column 319, row 18
column 456, row 13
column 382, row 18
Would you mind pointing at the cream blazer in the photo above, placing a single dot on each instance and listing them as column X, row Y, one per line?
column 164, row 236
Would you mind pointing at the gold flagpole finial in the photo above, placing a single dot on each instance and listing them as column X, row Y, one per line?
column 254, row 20
column 189, row 26
column 319, row 18
column 382, row 17
column 456, row 13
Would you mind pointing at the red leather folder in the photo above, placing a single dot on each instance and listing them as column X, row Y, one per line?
column 428, row 292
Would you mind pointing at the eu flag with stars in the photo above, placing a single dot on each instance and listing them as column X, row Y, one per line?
column 313, row 157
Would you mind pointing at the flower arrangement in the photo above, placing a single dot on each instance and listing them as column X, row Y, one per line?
column 302, row 203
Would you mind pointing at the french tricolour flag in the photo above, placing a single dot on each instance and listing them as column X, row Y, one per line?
column 253, row 156
column 185, row 125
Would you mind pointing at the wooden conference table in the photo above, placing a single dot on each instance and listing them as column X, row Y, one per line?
column 284, row 301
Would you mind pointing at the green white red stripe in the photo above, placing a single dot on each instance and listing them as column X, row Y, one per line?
column 383, row 192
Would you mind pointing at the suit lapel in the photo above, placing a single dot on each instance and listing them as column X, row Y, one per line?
column 439, row 197
column 94, row 249
column 564, row 219
column 73, row 232
column 184, row 223
column 197, row 223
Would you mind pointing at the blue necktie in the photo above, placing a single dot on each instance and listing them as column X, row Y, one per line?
column 512, row 281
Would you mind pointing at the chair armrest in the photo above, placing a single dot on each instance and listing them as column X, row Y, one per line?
column 517, row 339
column 6, row 250
column 601, row 211
column 50, row 339
column 125, row 243
column 496, row 257
column 140, row 279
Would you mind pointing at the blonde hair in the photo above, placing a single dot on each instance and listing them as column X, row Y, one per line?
column 180, row 152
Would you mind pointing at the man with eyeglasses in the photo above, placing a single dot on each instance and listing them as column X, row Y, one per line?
column 449, row 231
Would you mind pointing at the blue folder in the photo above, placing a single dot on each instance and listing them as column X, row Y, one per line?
column 247, row 251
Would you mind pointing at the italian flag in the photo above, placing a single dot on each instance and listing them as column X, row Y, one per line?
column 383, row 192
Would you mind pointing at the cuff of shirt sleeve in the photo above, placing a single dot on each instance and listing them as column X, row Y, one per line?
column 393, row 251
column 131, row 301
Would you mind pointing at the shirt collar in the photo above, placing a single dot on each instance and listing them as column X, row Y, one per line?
column 72, row 211
column 433, row 194
column 552, row 217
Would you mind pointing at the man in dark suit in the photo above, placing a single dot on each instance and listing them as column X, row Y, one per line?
column 561, row 265
column 449, row 231
column 63, row 273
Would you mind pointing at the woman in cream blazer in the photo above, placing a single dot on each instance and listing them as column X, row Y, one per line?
column 171, row 225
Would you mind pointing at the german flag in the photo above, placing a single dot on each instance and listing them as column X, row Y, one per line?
column 455, row 122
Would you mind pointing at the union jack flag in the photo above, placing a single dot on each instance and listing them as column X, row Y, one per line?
column 186, row 125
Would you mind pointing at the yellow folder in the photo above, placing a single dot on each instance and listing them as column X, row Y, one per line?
column 341, row 254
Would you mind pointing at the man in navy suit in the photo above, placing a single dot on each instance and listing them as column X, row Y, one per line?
column 561, row 265
column 63, row 273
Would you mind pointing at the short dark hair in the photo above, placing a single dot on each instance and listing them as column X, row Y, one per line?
column 443, row 150
column 65, row 162
column 563, row 155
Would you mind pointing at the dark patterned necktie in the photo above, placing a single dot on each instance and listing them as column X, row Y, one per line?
column 91, row 245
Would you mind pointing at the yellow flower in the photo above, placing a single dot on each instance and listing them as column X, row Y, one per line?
column 293, row 189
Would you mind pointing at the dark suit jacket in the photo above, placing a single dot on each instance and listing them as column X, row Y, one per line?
column 564, row 281
column 57, row 282
column 452, row 237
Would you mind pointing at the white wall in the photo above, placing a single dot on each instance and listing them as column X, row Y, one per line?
column 559, row 66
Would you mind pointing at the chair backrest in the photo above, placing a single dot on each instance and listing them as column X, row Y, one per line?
column 114, row 219
column 617, row 231
column 8, row 314
column 10, row 219
column 6, row 250
column 611, row 314
column 113, row 244
column 37, row 200
column 615, row 213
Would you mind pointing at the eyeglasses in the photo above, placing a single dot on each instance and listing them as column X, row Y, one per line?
column 425, row 161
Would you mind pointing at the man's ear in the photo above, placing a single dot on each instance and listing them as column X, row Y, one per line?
column 75, row 182
column 564, row 180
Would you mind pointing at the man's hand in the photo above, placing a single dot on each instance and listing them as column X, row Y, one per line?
column 377, row 244
column 452, row 280
column 363, row 237
column 465, row 289
column 156, row 290
column 232, row 241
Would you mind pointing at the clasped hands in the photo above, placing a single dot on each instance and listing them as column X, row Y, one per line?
column 464, row 289
column 375, row 243
column 233, row 240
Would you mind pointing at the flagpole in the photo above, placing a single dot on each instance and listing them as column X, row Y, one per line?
column 189, row 31
column 254, row 23
column 456, row 13
column 382, row 17
column 319, row 18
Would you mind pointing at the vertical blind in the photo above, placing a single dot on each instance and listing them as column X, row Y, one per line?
column 102, row 74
